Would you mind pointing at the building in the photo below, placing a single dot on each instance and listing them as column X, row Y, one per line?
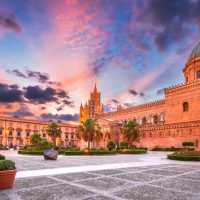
column 15, row 131
column 167, row 122
column 93, row 107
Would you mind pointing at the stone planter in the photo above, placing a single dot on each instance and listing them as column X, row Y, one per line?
column 7, row 178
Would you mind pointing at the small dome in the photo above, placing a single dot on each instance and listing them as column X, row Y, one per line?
column 195, row 52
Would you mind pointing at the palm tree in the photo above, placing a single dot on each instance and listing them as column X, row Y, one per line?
column 130, row 130
column 54, row 131
column 89, row 130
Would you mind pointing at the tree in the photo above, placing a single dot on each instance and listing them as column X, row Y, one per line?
column 130, row 131
column 89, row 130
column 54, row 131
column 35, row 139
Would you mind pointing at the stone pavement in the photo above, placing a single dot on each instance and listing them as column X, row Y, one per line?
column 118, row 177
column 161, row 182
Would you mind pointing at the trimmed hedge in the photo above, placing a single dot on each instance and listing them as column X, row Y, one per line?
column 7, row 165
column 185, row 156
column 30, row 152
column 166, row 149
column 2, row 157
column 92, row 152
column 132, row 151
column 101, row 152
column 74, row 153
column 188, row 143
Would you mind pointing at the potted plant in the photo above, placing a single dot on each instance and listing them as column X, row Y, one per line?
column 7, row 174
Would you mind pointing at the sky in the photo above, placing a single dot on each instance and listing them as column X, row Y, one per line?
column 52, row 52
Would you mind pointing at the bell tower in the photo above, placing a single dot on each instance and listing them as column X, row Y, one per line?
column 92, row 107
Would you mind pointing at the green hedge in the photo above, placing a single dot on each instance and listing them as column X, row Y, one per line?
column 2, row 157
column 74, row 152
column 92, row 152
column 102, row 152
column 132, row 151
column 30, row 152
column 188, row 143
column 185, row 156
column 166, row 149
column 7, row 165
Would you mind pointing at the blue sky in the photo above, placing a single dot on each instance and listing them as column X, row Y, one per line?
column 53, row 52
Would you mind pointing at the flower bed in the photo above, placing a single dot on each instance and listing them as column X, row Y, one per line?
column 185, row 156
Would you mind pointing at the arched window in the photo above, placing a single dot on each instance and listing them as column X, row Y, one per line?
column 155, row 119
column 144, row 120
column 198, row 74
column 185, row 106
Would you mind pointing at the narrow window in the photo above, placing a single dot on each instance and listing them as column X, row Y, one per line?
column 185, row 106
column 198, row 74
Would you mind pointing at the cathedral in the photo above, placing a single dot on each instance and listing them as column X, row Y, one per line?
column 164, row 123
column 93, row 107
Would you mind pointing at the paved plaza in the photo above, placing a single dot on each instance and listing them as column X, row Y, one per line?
column 118, row 177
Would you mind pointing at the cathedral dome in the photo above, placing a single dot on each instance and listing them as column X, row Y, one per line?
column 195, row 52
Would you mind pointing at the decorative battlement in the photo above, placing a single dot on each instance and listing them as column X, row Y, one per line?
column 151, row 127
column 180, row 87
column 142, row 106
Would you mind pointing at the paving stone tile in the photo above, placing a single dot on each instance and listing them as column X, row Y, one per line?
column 139, row 177
column 163, row 172
column 136, row 169
column 75, row 176
column 193, row 176
column 58, row 192
column 99, row 198
column 107, row 172
column 147, row 192
column 25, row 183
column 4, row 196
column 179, row 184
column 179, row 169
column 105, row 183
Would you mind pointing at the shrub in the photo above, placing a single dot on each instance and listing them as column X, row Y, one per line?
column 188, row 143
column 3, row 147
column 44, row 144
column 2, row 157
column 7, row 165
column 111, row 145
column 133, row 151
column 123, row 145
column 36, row 139
column 185, row 156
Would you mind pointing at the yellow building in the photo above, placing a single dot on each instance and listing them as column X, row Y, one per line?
column 92, row 107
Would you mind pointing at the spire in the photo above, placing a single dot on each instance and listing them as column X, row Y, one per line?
column 95, row 88
column 81, row 105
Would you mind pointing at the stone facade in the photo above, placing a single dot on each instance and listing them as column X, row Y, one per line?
column 172, row 120
column 14, row 131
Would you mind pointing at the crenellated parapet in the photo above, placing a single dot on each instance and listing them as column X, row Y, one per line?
column 181, row 88
column 135, row 108
column 180, row 125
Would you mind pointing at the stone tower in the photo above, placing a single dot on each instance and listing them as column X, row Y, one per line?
column 92, row 107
